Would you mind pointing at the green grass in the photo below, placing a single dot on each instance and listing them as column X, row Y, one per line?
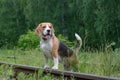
column 105, row 64
column 98, row 63
column 27, row 57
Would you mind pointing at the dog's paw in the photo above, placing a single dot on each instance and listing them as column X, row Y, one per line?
column 54, row 67
column 46, row 67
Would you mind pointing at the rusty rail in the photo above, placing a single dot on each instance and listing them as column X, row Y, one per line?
column 57, row 73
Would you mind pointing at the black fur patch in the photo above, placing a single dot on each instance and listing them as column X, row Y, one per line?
column 64, row 50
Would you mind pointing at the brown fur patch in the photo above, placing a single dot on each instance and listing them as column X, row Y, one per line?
column 55, row 47
column 39, row 30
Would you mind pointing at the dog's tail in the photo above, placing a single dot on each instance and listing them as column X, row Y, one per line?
column 79, row 43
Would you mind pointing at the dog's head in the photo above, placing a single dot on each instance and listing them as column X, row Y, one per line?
column 45, row 30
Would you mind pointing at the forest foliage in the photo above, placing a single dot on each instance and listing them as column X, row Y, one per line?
column 97, row 21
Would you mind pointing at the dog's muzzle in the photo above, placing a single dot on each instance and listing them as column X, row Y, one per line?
column 47, row 35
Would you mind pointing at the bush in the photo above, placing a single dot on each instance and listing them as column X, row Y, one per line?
column 64, row 40
column 29, row 40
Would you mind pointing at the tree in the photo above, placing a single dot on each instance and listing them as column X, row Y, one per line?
column 12, row 21
column 97, row 21
column 89, row 8
column 106, row 21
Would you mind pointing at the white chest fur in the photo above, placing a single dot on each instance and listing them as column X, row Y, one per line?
column 46, row 47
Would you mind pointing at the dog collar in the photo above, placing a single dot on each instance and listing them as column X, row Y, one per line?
column 44, row 38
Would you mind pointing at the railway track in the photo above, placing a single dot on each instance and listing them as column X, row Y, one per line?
column 31, row 70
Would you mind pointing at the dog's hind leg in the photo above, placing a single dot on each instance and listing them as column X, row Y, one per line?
column 67, row 66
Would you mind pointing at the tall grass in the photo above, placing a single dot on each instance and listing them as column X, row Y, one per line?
column 98, row 63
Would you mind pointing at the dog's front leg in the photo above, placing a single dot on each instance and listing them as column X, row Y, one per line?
column 56, row 62
column 55, row 53
column 46, row 63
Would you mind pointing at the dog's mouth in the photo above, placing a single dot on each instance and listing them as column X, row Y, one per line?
column 46, row 37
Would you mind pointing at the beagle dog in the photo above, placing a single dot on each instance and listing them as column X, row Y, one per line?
column 54, row 49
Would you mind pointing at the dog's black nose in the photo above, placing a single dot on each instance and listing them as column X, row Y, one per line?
column 48, row 31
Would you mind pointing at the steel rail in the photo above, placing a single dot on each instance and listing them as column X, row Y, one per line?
column 17, row 68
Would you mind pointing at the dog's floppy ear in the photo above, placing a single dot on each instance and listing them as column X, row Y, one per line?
column 52, row 28
column 38, row 30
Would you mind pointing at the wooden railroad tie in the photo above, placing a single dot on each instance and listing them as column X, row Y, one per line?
column 32, row 70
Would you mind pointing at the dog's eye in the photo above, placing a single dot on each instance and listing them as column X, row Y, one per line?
column 50, row 27
column 43, row 26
